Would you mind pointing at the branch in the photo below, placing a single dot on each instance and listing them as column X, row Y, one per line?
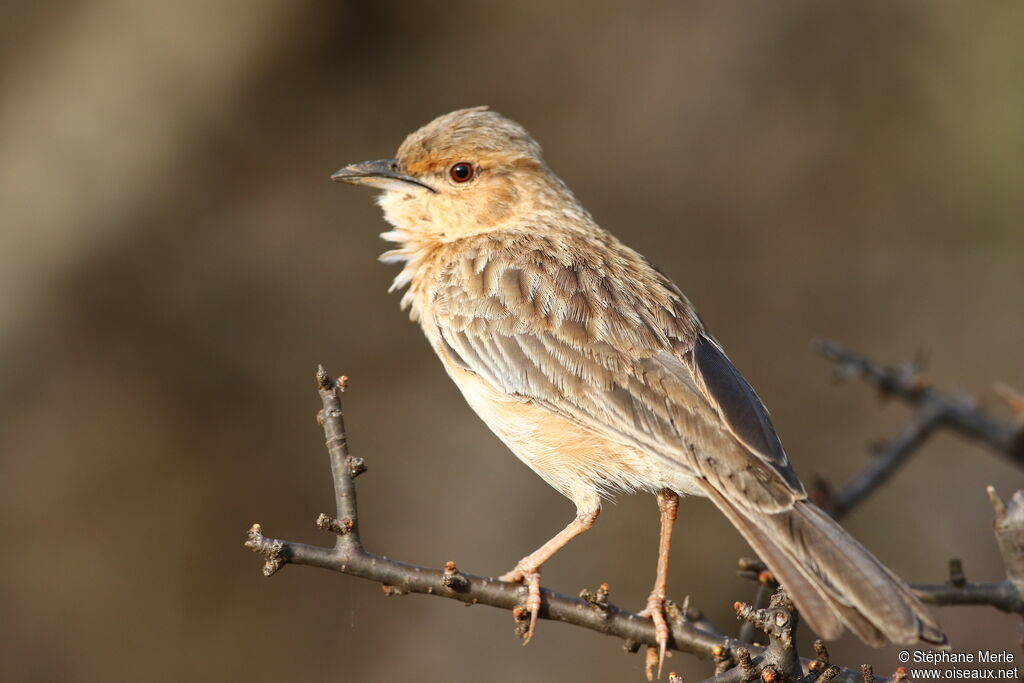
column 959, row 413
column 935, row 409
column 1009, row 530
column 757, row 571
column 886, row 461
column 1006, row 595
column 735, row 660
column 690, row 631
column 779, row 662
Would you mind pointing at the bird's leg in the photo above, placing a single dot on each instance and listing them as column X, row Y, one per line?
column 528, row 568
column 668, row 506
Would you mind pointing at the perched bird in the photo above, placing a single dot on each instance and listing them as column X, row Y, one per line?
column 596, row 371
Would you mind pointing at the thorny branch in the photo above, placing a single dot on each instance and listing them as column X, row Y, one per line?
column 735, row 661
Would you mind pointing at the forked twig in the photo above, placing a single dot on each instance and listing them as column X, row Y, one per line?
column 735, row 660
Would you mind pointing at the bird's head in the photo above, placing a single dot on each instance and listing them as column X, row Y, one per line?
column 468, row 171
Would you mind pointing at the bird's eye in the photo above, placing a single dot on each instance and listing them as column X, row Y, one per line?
column 462, row 171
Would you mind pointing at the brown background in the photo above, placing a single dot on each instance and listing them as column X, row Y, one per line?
column 174, row 264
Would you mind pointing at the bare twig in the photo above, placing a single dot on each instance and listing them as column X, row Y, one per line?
column 766, row 586
column 1001, row 595
column 935, row 409
column 735, row 660
column 1009, row 530
column 886, row 462
column 1013, row 398
column 959, row 413
column 348, row 556
column 1006, row 595
column 779, row 662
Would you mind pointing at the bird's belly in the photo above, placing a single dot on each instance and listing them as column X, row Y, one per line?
column 578, row 462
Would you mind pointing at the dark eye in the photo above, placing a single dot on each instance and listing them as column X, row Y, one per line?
column 462, row 171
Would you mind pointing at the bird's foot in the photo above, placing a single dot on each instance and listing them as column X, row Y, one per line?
column 656, row 655
column 529, row 575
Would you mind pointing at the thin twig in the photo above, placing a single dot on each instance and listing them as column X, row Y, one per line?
column 887, row 461
column 959, row 413
column 400, row 578
column 1006, row 595
column 348, row 556
column 934, row 410
column 779, row 662
column 1002, row 595
column 766, row 586
column 690, row 632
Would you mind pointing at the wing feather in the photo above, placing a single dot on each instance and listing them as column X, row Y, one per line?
column 605, row 340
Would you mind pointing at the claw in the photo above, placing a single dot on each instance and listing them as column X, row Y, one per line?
column 532, row 602
column 656, row 655
column 652, row 663
column 528, row 569
column 530, row 576
column 668, row 505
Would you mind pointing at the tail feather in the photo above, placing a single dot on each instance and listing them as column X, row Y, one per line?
column 833, row 579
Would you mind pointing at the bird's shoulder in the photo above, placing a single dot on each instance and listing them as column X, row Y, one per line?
column 585, row 288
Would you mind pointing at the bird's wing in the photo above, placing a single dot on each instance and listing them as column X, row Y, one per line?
column 595, row 334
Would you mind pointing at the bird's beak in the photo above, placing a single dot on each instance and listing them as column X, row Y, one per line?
column 384, row 173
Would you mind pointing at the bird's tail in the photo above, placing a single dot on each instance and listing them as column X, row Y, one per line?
column 833, row 579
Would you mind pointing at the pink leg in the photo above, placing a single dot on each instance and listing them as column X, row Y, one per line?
column 528, row 568
column 668, row 506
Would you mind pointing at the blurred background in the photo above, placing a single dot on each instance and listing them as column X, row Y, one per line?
column 174, row 263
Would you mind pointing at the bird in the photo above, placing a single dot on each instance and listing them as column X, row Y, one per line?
column 598, row 373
